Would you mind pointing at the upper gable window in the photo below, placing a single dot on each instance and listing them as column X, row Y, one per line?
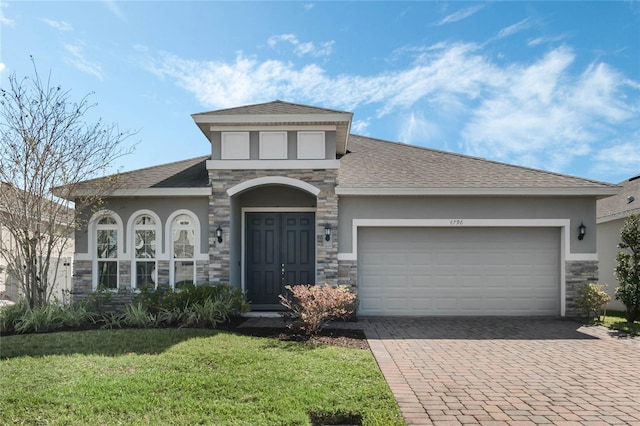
column 273, row 145
column 235, row 145
column 311, row 146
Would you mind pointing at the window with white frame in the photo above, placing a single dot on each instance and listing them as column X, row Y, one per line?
column 273, row 145
column 183, row 236
column 311, row 146
column 144, row 249
column 107, row 252
column 235, row 146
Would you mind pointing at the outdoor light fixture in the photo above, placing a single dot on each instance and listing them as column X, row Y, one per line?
column 219, row 234
column 581, row 231
column 327, row 232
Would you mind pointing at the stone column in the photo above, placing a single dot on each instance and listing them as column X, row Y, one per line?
column 327, row 251
column 577, row 273
column 219, row 215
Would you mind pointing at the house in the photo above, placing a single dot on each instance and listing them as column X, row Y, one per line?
column 59, row 271
column 611, row 215
column 289, row 196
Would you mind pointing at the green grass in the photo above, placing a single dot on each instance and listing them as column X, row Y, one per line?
column 617, row 321
column 185, row 376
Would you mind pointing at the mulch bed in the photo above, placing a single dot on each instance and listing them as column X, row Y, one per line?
column 329, row 336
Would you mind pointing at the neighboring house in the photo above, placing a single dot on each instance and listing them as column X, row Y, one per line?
column 10, row 288
column 289, row 196
column 612, row 213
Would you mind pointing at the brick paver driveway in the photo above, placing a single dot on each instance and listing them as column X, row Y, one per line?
column 507, row 371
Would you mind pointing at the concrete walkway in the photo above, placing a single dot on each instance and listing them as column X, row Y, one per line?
column 504, row 371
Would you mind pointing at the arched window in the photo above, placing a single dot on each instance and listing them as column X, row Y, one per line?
column 144, row 251
column 183, row 236
column 107, row 252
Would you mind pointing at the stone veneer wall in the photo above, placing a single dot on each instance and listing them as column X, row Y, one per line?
column 578, row 272
column 83, row 281
column 348, row 274
column 326, row 212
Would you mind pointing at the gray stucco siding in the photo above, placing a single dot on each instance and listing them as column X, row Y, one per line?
column 576, row 209
column 163, row 207
column 608, row 239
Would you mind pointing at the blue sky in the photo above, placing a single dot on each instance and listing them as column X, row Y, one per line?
column 550, row 85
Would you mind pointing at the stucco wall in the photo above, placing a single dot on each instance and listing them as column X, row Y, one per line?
column 577, row 209
column 608, row 239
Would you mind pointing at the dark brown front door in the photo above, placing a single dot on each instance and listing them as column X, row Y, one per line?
column 280, row 250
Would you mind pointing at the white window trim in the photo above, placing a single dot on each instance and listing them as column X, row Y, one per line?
column 308, row 152
column 93, row 245
column 131, row 227
column 235, row 149
column 197, row 255
column 268, row 152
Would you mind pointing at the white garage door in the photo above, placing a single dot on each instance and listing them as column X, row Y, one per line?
column 459, row 271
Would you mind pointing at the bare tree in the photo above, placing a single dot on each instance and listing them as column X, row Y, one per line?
column 45, row 143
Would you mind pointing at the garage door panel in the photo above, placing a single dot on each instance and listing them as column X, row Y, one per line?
column 459, row 271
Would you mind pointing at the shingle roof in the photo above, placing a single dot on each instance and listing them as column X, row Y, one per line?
column 274, row 107
column 374, row 163
column 390, row 168
column 622, row 204
column 191, row 173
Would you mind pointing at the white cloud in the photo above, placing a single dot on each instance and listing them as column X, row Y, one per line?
column 621, row 158
column 309, row 6
column 513, row 29
column 3, row 19
column 302, row 48
column 416, row 129
column 78, row 60
column 2, row 67
column 543, row 116
column 58, row 25
column 461, row 14
column 548, row 39
column 359, row 126
column 540, row 114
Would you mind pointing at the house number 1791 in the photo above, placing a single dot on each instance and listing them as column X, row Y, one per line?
column 456, row 222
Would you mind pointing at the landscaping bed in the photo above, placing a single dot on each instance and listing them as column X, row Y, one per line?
column 329, row 336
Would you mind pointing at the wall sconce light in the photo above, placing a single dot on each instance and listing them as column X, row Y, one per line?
column 327, row 232
column 219, row 234
column 582, row 230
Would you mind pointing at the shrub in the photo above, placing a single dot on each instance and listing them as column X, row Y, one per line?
column 136, row 315
column 20, row 318
column 591, row 299
column 10, row 315
column 311, row 307
column 163, row 299
column 209, row 313
column 99, row 299
column 627, row 270
column 189, row 306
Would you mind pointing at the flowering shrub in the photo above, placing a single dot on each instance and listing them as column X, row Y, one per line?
column 311, row 307
column 591, row 299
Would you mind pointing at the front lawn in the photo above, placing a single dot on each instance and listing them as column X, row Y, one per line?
column 617, row 321
column 186, row 376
